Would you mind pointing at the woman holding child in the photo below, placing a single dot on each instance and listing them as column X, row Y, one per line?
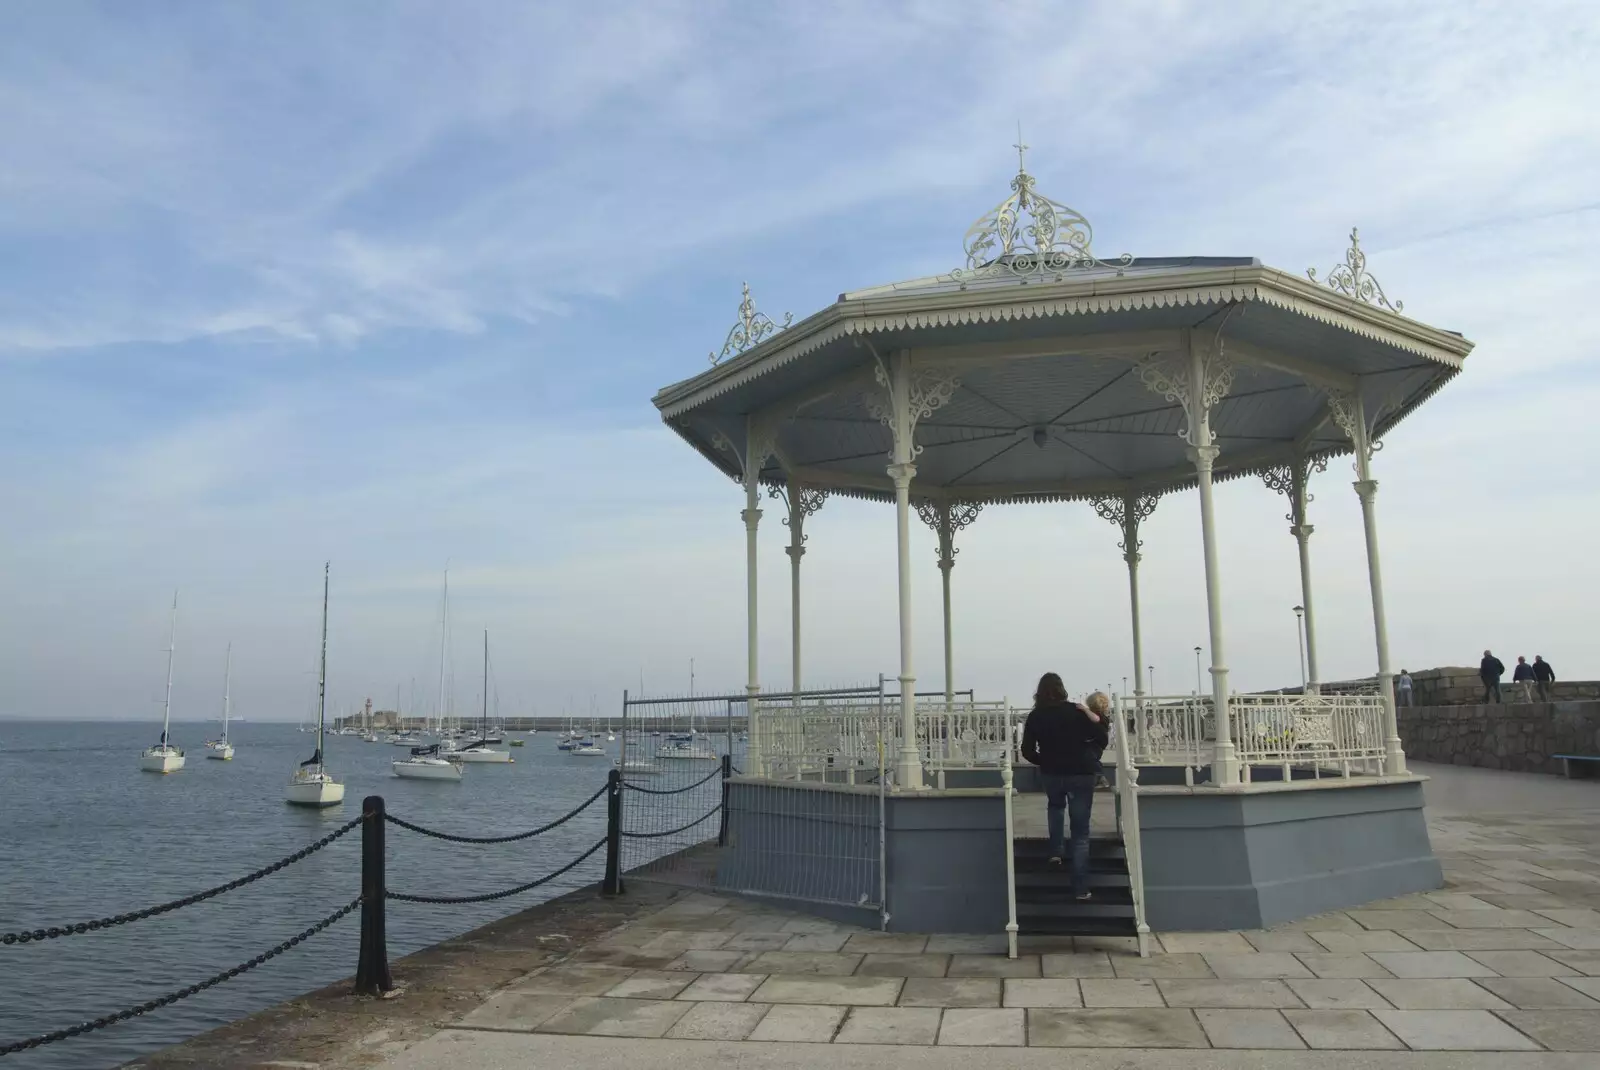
column 1065, row 740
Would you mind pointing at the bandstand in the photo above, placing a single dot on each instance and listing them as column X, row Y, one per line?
column 1039, row 373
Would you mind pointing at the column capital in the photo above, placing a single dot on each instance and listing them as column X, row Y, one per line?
column 1366, row 488
column 1133, row 557
column 751, row 517
column 1204, row 456
column 795, row 551
column 902, row 474
column 1302, row 531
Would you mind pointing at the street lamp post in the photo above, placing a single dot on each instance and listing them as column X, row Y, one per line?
column 1150, row 671
column 1300, row 642
column 1198, row 689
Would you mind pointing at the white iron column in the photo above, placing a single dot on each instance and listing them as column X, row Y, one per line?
column 1290, row 479
column 1126, row 513
column 758, row 447
column 946, row 518
column 802, row 502
column 1198, row 382
column 1350, row 414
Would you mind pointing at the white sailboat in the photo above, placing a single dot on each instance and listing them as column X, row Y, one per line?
column 312, row 784
column 479, row 750
column 220, row 749
column 164, row 757
column 434, row 762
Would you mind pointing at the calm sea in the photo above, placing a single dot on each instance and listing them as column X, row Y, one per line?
column 84, row 834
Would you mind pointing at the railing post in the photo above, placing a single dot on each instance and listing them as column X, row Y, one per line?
column 372, row 967
column 613, row 880
column 722, row 828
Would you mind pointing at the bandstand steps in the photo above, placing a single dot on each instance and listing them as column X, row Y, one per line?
column 1045, row 902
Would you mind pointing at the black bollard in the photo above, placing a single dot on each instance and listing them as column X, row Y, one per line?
column 612, row 885
column 372, row 968
column 722, row 827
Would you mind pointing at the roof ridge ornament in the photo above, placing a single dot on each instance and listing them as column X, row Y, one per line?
column 1351, row 278
column 1055, row 239
column 751, row 329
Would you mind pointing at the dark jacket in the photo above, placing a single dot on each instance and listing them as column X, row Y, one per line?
column 1542, row 672
column 1061, row 738
column 1491, row 668
column 1522, row 672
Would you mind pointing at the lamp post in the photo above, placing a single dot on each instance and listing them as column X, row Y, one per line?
column 1300, row 642
column 1124, row 685
column 1197, row 688
column 1150, row 671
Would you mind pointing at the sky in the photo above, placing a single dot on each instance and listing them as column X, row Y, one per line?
column 391, row 284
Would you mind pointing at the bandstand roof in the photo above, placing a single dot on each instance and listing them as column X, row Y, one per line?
column 1046, row 346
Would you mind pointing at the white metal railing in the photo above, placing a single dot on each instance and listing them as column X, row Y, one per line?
column 1128, row 825
column 1178, row 730
column 1345, row 732
column 1007, row 787
column 848, row 739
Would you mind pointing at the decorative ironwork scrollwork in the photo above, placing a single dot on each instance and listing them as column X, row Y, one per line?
column 1351, row 278
column 1169, row 377
column 947, row 518
column 751, row 328
column 1127, row 512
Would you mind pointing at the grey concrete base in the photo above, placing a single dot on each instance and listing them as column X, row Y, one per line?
column 1247, row 860
column 947, row 863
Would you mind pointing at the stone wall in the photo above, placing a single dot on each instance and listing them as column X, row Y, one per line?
column 1460, row 686
column 1520, row 737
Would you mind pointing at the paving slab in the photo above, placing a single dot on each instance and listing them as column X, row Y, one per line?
column 1076, row 964
column 747, row 941
column 1454, row 1031
column 1041, row 992
column 985, row 1027
column 1115, row 1028
column 1539, row 993
column 1559, row 1030
column 1128, row 945
column 1585, row 962
column 1576, row 939
column 803, row 962
column 1228, row 995
column 685, row 940
column 875, row 965
column 598, row 1016
column 888, row 943
column 1351, row 964
column 1380, row 940
column 1260, row 965
column 1582, row 918
column 1379, row 920
column 829, row 991
column 516, row 1010
column 1589, row 986
column 1191, row 965
column 993, row 966
column 1332, row 922
column 1486, row 919
column 711, row 961
column 577, row 979
column 1455, row 901
column 1129, row 992
column 799, row 1024
column 1437, row 994
column 1430, row 964
column 652, row 984
column 951, row 992
column 1522, row 964
column 1179, row 943
column 723, row 987
column 1337, row 994
column 1289, row 940
column 815, row 942
column 1248, row 1029
column 1477, row 939
column 718, row 1021
column 890, row 1025
column 1342, row 1030
column 967, row 944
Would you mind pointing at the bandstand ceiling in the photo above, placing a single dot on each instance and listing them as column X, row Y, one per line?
column 1050, row 403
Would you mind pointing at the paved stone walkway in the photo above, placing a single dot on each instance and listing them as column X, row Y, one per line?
column 1506, row 958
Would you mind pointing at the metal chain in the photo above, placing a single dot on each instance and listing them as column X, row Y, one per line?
column 672, row 791
column 499, row 839
column 669, row 832
column 446, row 899
column 182, row 993
column 190, row 900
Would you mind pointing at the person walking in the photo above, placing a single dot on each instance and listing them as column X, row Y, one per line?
column 1523, row 674
column 1490, row 669
column 1065, row 740
column 1543, row 677
column 1402, row 688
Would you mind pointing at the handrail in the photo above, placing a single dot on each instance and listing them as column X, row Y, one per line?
column 1006, row 778
column 1128, row 820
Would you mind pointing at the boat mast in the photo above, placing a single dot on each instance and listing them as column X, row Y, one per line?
column 227, row 675
column 172, row 645
column 483, row 732
column 322, row 676
column 444, row 628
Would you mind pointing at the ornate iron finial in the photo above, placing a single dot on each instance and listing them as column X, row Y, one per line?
column 1351, row 279
column 1053, row 239
column 752, row 327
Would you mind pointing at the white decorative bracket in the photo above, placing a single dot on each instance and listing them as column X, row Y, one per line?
column 751, row 328
column 1351, row 279
column 1126, row 513
column 801, row 503
column 1171, row 378
column 931, row 388
column 1290, row 479
column 946, row 518
column 761, row 441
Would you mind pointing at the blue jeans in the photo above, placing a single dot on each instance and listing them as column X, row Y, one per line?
column 1070, row 796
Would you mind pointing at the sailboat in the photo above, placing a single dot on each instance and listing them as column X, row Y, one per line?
column 164, row 757
column 221, row 749
column 435, row 761
column 312, row 784
column 479, row 750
